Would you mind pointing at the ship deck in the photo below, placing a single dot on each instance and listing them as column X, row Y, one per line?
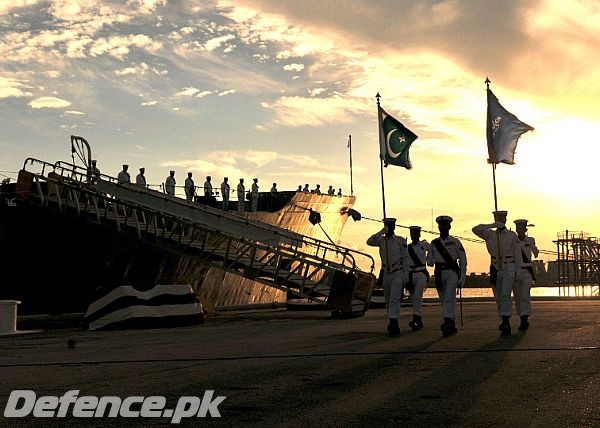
column 280, row 368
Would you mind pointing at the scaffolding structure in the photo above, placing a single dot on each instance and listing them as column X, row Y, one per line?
column 578, row 259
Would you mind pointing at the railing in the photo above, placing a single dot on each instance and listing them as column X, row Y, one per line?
column 303, row 275
column 82, row 177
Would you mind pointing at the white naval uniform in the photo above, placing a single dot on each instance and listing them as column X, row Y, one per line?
column 207, row 189
column 170, row 185
column 254, row 196
column 524, row 281
column 123, row 177
column 225, row 194
column 395, row 262
column 241, row 190
column 140, row 180
column 507, row 263
column 449, row 278
column 189, row 189
column 419, row 276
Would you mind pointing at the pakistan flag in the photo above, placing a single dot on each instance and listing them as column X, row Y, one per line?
column 394, row 141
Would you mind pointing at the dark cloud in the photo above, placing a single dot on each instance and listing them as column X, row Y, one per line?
column 482, row 36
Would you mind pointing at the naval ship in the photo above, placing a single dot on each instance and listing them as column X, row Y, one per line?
column 70, row 234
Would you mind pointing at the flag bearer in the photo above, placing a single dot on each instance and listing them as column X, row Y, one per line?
column 505, row 251
column 418, row 275
column 444, row 253
column 394, row 261
column 525, row 275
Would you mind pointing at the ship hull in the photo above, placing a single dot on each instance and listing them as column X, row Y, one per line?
column 57, row 264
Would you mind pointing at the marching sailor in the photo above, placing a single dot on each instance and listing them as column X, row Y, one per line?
column 505, row 252
column 225, row 193
column 525, row 275
column 394, row 261
column 170, row 184
column 418, row 275
column 443, row 254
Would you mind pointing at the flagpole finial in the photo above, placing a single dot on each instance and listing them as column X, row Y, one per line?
column 377, row 96
column 487, row 82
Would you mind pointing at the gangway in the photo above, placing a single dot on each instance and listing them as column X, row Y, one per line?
column 300, row 265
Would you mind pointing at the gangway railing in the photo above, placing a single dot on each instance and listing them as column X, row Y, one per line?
column 321, row 249
column 287, row 267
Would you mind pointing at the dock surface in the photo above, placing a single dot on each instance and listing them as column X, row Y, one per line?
column 280, row 368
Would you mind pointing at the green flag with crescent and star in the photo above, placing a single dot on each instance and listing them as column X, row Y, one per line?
column 394, row 141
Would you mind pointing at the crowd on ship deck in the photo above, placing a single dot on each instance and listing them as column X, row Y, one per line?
column 206, row 193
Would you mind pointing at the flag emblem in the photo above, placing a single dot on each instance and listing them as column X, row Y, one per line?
column 503, row 131
column 394, row 140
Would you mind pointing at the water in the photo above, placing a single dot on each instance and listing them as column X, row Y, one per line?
column 571, row 291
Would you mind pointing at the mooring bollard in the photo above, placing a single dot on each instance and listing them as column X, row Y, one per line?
column 8, row 316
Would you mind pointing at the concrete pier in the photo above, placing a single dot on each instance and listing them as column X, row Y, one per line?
column 280, row 368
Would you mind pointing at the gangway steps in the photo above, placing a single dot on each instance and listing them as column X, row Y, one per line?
column 306, row 275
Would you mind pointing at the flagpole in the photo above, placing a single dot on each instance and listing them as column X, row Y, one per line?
column 498, row 248
column 380, row 158
column 487, row 82
column 350, row 147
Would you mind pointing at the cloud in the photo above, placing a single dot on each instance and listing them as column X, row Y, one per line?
column 187, row 92
column 215, row 43
column 74, row 112
column 293, row 67
column 149, row 103
column 229, row 92
column 302, row 111
column 119, row 46
column 141, row 68
column 203, row 94
column 9, row 5
column 48, row 102
column 10, row 87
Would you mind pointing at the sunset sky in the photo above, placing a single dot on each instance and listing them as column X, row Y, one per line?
column 273, row 88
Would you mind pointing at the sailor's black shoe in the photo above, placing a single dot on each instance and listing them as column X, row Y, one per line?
column 524, row 326
column 416, row 323
column 452, row 328
column 393, row 328
column 505, row 327
column 447, row 329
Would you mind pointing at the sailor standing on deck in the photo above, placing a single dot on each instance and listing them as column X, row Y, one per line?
column 505, row 251
column 93, row 173
column 140, row 180
column 170, row 184
column 189, row 187
column 241, row 191
column 444, row 253
column 525, row 275
column 124, row 176
column 255, row 194
column 208, row 187
column 394, row 261
column 418, row 275
column 225, row 193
